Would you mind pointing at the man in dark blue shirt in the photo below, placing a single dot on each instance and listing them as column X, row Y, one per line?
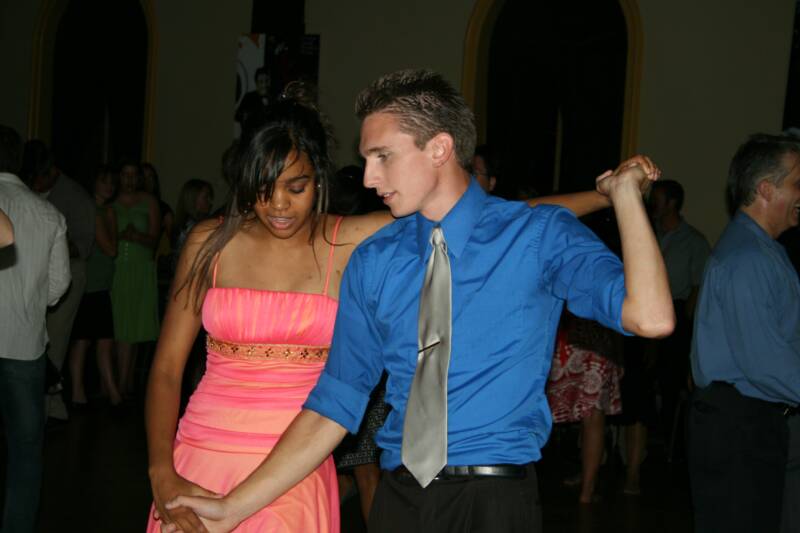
column 746, row 348
column 512, row 269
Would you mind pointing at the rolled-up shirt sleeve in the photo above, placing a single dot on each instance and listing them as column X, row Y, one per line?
column 59, row 275
column 582, row 271
column 355, row 362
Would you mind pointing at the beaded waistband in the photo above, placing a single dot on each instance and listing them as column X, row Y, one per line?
column 284, row 352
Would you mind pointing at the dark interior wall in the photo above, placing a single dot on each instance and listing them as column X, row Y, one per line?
column 551, row 56
column 791, row 111
column 99, row 85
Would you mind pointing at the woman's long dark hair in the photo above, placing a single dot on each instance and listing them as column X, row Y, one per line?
column 291, row 128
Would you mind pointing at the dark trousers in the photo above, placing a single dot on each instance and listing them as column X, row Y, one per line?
column 737, row 449
column 790, row 522
column 672, row 367
column 23, row 411
column 474, row 505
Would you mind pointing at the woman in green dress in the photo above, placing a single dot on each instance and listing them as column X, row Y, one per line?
column 134, row 292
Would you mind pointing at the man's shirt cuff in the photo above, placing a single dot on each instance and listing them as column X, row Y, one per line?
column 338, row 401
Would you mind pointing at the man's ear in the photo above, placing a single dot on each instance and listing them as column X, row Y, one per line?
column 765, row 189
column 441, row 148
column 492, row 183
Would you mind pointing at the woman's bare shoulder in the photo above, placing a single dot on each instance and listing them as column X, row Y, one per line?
column 201, row 231
column 357, row 228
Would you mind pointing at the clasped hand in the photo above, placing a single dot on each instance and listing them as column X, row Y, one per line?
column 211, row 510
column 168, row 486
column 638, row 172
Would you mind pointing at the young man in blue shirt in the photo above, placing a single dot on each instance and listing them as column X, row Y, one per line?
column 512, row 269
column 746, row 348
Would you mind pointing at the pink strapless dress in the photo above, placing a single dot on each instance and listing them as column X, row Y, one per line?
column 266, row 350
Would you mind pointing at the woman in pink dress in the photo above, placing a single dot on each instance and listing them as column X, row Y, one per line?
column 264, row 282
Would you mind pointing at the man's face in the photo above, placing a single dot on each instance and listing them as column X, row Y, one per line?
column 659, row 205
column 262, row 84
column 45, row 182
column 785, row 202
column 402, row 174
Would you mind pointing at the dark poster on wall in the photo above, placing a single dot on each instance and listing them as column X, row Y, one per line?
column 266, row 65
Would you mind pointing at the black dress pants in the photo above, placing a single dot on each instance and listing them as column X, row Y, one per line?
column 461, row 505
column 737, row 450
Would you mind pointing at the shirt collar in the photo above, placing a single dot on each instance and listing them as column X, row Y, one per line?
column 457, row 224
column 747, row 221
column 11, row 178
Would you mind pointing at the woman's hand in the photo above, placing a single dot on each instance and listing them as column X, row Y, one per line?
column 214, row 511
column 167, row 486
column 651, row 171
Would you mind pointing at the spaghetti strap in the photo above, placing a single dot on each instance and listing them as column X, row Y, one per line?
column 330, row 256
column 220, row 220
column 214, row 275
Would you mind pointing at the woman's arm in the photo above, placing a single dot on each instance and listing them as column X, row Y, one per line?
column 149, row 239
column 587, row 202
column 6, row 230
column 178, row 332
column 580, row 203
column 105, row 232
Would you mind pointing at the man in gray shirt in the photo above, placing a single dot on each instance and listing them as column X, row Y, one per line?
column 78, row 208
column 34, row 273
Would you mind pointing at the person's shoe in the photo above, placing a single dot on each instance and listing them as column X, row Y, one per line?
column 54, row 424
column 56, row 408
column 632, row 489
column 78, row 407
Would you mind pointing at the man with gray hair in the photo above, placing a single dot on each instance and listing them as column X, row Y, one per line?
column 746, row 349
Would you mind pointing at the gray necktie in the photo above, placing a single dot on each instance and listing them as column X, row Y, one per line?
column 424, row 450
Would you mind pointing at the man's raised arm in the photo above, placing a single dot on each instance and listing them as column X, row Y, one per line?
column 647, row 310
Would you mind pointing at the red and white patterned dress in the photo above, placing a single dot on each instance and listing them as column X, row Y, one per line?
column 581, row 376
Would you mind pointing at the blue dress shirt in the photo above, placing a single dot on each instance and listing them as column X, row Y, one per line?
column 512, row 268
column 747, row 322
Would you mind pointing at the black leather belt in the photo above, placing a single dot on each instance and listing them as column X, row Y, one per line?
column 469, row 472
column 786, row 409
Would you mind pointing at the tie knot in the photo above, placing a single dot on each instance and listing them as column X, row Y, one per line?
column 437, row 236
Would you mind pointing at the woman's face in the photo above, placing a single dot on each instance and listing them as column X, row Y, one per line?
column 129, row 178
column 104, row 186
column 203, row 203
column 148, row 180
column 288, row 210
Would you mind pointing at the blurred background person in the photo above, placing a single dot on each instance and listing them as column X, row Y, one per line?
column 134, row 290
column 685, row 252
column 163, row 253
column 194, row 204
column 94, row 322
column 34, row 273
column 486, row 167
column 583, row 386
column 71, row 199
column 251, row 112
